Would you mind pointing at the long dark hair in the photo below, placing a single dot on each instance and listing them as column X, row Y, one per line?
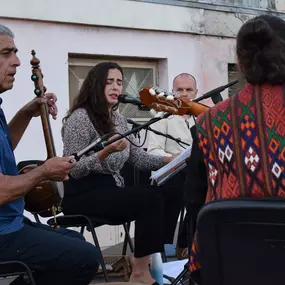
column 91, row 97
column 261, row 50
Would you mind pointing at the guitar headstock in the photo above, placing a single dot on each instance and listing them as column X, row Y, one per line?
column 164, row 101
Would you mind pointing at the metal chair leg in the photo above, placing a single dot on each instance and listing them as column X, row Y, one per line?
column 82, row 230
column 30, row 276
column 181, row 220
column 37, row 219
column 100, row 252
column 163, row 256
column 124, row 251
column 128, row 239
column 22, row 270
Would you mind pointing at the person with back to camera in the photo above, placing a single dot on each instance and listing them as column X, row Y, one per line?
column 241, row 140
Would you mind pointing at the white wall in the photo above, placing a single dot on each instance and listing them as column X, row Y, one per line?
column 206, row 58
column 130, row 14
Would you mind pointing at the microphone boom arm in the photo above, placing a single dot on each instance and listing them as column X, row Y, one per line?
column 99, row 145
column 216, row 91
column 178, row 140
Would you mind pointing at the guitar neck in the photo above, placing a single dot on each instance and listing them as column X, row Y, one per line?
column 47, row 131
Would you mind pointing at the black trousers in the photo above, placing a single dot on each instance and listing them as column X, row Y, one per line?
column 60, row 257
column 98, row 196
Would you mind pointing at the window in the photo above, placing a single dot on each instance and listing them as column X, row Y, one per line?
column 137, row 74
column 235, row 74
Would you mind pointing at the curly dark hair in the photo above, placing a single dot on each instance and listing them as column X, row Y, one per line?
column 92, row 98
column 261, row 50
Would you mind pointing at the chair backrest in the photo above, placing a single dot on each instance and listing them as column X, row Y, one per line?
column 242, row 241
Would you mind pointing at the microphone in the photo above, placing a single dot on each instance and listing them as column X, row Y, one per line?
column 125, row 98
column 215, row 93
column 217, row 98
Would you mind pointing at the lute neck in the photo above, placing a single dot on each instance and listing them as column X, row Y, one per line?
column 50, row 147
column 39, row 91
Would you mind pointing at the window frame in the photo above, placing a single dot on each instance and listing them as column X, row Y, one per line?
column 124, row 62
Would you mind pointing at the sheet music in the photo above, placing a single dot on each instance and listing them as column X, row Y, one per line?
column 170, row 169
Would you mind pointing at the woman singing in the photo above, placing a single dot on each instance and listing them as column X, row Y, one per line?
column 96, row 187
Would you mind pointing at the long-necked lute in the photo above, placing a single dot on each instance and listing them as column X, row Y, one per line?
column 44, row 199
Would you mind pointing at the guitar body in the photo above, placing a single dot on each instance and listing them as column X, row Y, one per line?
column 44, row 196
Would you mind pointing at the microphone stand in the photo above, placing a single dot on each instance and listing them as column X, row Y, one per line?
column 215, row 93
column 136, row 134
column 178, row 140
column 99, row 144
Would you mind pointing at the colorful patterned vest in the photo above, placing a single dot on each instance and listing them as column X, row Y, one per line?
column 243, row 143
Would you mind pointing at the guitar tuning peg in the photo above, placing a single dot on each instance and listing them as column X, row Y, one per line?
column 152, row 91
column 169, row 98
column 161, row 94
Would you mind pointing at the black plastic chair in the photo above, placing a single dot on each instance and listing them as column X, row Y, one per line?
column 15, row 268
column 90, row 224
column 242, row 241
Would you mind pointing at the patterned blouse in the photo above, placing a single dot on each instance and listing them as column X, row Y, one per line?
column 78, row 132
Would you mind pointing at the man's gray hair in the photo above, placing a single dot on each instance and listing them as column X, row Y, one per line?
column 6, row 31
